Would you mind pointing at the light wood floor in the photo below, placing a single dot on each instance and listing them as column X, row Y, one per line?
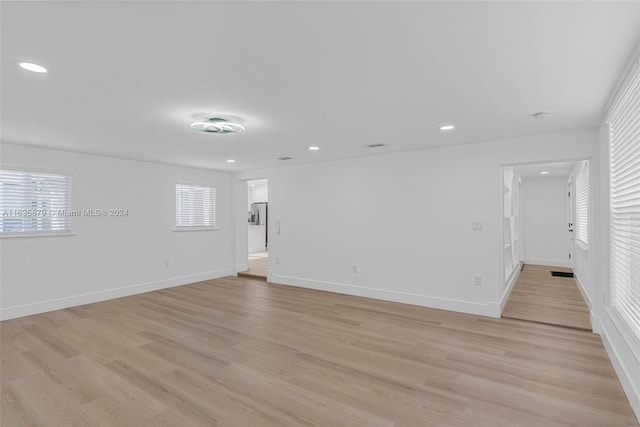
column 241, row 352
column 258, row 265
column 537, row 296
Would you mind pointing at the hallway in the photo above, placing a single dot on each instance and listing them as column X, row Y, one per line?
column 540, row 297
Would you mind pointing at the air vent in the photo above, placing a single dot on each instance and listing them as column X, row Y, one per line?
column 285, row 158
column 375, row 145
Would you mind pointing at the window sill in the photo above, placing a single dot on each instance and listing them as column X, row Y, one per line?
column 180, row 229
column 632, row 341
column 43, row 234
column 582, row 245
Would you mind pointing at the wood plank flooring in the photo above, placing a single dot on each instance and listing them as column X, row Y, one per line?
column 241, row 352
column 537, row 296
column 258, row 265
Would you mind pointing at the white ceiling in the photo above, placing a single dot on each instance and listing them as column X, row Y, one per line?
column 559, row 169
column 127, row 78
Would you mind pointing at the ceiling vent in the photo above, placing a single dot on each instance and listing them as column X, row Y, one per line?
column 217, row 125
column 542, row 115
column 375, row 145
column 285, row 158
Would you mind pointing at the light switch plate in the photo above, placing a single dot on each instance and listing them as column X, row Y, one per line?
column 477, row 226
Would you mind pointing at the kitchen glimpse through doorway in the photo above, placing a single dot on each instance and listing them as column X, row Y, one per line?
column 258, row 228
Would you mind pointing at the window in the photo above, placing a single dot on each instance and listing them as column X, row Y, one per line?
column 582, row 204
column 195, row 206
column 34, row 202
column 624, row 137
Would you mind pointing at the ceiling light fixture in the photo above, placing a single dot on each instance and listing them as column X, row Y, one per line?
column 542, row 115
column 32, row 67
column 217, row 125
column 544, row 173
column 447, row 127
column 231, row 161
column 314, row 148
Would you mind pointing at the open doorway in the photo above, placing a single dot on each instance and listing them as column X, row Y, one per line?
column 258, row 228
column 540, row 210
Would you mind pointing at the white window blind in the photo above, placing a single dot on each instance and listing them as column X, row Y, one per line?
column 624, row 128
column 582, row 204
column 34, row 202
column 195, row 206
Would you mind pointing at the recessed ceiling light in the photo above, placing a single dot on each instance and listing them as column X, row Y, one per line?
column 217, row 125
column 542, row 115
column 314, row 148
column 32, row 67
column 231, row 161
column 544, row 173
column 447, row 127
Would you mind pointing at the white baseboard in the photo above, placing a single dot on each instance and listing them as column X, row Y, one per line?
column 628, row 375
column 547, row 262
column 510, row 283
column 583, row 291
column 73, row 301
column 482, row 309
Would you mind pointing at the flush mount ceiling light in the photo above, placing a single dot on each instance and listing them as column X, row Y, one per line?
column 32, row 67
column 447, row 127
column 544, row 173
column 542, row 115
column 217, row 125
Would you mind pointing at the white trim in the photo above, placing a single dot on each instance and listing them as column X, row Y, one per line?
column 621, row 325
column 583, row 291
column 241, row 267
column 490, row 309
column 76, row 300
column 547, row 262
column 195, row 228
column 18, row 235
column 625, row 373
column 579, row 243
column 511, row 283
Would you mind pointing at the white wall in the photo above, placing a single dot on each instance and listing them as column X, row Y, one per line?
column 404, row 219
column 111, row 257
column 258, row 191
column 546, row 240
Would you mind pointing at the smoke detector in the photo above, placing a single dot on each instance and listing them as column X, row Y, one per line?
column 217, row 125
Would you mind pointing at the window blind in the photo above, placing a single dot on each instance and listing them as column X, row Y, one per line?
column 32, row 202
column 582, row 204
column 195, row 206
column 624, row 128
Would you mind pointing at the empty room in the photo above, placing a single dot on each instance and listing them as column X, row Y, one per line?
column 319, row 213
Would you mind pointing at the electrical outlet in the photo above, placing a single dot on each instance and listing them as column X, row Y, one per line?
column 477, row 280
column 354, row 269
column 278, row 260
column 167, row 263
column 477, row 226
column 277, row 228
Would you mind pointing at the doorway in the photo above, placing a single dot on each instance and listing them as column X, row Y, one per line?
column 541, row 287
column 258, row 228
